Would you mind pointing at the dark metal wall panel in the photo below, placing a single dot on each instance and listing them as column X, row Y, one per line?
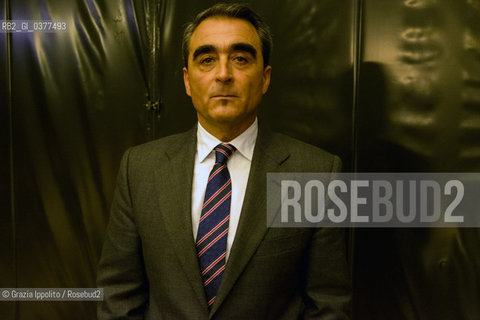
column 7, row 242
column 418, row 111
column 312, row 77
column 77, row 100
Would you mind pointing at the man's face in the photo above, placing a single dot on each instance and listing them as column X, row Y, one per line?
column 225, row 77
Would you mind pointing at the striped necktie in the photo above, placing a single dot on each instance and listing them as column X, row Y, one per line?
column 213, row 227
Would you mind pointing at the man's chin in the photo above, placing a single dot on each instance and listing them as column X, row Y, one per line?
column 230, row 119
column 226, row 119
column 226, row 115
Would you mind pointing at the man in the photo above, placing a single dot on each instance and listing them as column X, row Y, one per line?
column 187, row 237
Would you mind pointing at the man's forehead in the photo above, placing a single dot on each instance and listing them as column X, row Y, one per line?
column 222, row 32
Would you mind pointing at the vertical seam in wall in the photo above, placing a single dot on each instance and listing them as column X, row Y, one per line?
column 154, row 10
column 153, row 57
column 357, row 59
column 8, row 15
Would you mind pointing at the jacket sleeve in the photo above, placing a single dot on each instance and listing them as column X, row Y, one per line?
column 121, row 271
column 327, row 279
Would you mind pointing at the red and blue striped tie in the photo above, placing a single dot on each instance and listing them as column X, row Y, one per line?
column 213, row 227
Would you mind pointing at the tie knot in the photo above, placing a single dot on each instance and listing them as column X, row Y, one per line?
column 223, row 152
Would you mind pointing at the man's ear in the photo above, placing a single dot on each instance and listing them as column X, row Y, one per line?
column 186, row 81
column 267, row 71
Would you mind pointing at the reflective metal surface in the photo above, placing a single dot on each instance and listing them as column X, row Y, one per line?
column 418, row 111
column 388, row 85
column 7, row 256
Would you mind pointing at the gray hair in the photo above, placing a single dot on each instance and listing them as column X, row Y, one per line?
column 232, row 10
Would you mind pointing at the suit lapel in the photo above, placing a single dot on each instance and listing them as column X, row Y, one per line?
column 174, row 185
column 252, row 226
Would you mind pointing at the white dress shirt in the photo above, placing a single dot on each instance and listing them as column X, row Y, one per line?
column 239, row 167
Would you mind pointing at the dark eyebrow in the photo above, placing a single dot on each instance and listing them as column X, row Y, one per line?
column 208, row 48
column 244, row 47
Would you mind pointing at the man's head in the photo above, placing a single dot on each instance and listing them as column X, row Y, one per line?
column 226, row 50
column 232, row 10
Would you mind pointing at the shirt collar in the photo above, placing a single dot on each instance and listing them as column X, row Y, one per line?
column 245, row 142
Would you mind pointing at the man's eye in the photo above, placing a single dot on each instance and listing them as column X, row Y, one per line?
column 240, row 59
column 206, row 61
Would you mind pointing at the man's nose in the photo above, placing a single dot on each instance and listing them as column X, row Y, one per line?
column 224, row 71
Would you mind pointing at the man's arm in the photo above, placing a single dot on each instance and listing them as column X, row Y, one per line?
column 327, row 280
column 121, row 270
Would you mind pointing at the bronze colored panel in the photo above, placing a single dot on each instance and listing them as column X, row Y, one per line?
column 418, row 111
column 77, row 100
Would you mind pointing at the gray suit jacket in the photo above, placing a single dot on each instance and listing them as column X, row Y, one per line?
column 149, row 267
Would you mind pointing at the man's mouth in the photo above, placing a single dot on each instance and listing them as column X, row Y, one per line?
column 224, row 95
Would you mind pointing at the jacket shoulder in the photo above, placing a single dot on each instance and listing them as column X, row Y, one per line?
column 306, row 157
column 161, row 146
